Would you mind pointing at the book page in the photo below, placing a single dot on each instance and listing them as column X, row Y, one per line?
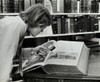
column 61, row 58
column 33, row 62
column 65, row 51
column 38, row 57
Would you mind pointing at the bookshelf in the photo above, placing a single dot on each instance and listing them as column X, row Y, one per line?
column 24, row 4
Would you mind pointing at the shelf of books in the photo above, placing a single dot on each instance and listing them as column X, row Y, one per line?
column 69, row 17
column 15, row 6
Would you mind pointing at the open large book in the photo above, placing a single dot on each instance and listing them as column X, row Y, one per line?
column 68, row 57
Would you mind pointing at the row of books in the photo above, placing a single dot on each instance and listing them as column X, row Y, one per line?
column 64, row 6
column 15, row 6
column 75, row 6
column 64, row 24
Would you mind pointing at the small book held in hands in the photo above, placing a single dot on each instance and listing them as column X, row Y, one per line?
column 68, row 57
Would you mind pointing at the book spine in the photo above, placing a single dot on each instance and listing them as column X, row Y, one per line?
column 58, row 5
column 99, row 7
column 63, row 24
column 71, row 24
column 54, row 24
column 59, row 24
column 11, row 6
column 16, row 6
column 33, row 2
column 0, row 6
column 88, row 23
column 86, row 6
column 4, row 6
column 75, row 24
column 70, row 9
column 86, row 26
column 73, row 7
column 92, row 23
column 69, row 30
column 54, row 5
column 20, row 5
column 61, row 6
column 98, row 23
column 79, row 24
column 89, row 6
column 26, row 4
column 66, row 24
column 94, row 6
column 67, row 6
column 78, row 6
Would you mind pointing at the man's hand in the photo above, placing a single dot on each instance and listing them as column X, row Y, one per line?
column 44, row 49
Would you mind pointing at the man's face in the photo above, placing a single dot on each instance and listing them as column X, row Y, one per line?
column 36, row 29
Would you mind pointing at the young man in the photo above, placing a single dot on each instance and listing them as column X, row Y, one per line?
column 13, row 30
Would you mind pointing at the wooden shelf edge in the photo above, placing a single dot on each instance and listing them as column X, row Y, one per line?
column 57, row 13
column 75, row 13
column 67, row 34
column 2, row 14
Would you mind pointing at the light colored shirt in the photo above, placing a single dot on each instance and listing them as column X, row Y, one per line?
column 12, row 29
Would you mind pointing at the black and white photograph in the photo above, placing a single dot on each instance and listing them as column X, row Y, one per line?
column 49, row 40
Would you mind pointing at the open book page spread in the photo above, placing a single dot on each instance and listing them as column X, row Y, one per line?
column 61, row 56
column 33, row 61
